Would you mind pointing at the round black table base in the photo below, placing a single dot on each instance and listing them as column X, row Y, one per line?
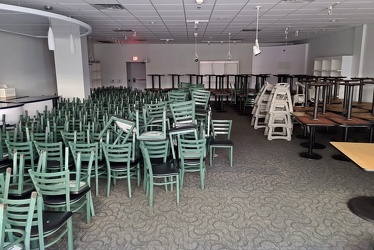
column 363, row 207
column 312, row 156
column 315, row 145
column 301, row 136
column 340, row 157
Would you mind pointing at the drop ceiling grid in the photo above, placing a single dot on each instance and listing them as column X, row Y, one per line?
column 225, row 16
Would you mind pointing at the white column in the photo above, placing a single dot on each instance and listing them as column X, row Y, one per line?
column 72, row 72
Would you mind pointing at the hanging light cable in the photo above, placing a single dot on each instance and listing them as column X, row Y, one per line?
column 228, row 57
column 256, row 47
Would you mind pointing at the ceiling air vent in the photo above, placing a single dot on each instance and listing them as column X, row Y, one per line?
column 297, row 1
column 123, row 30
column 250, row 30
column 108, row 6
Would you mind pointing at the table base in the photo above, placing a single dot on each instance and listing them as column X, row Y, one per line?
column 302, row 136
column 362, row 206
column 315, row 145
column 340, row 157
column 312, row 156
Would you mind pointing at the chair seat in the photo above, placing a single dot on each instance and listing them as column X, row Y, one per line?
column 221, row 143
column 122, row 165
column 182, row 128
column 55, row 164
column 61, row 199
column 152, row 135
column 26, row 192
column 165, row 169
column 52, row 220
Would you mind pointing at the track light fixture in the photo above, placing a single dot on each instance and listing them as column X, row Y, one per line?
column 199, row 2
column 256, row 47
column 72, row 44
column 329, row 10
column 196, row 59
column 51, row 39
column 228, row 57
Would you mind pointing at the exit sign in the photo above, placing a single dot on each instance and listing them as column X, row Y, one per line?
column 134, row 58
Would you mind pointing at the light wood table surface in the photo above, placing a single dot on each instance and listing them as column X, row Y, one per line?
column 361, row 153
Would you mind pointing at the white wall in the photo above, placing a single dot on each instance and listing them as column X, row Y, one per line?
column 356, row 42
column 165, row 59
column 27, row 65
column 275, row 60
column 336, row 44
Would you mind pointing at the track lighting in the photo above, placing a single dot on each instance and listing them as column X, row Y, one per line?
column 256, row 47
column 296, row 33
column 329, row 10
column 196, row 23
column 228, row 57
column 51, row 39
column 199, row 2
column 72, row 44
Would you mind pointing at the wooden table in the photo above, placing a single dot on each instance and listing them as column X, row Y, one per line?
column 308, row 121
column 362, row 155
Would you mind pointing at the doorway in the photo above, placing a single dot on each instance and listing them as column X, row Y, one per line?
column 136, row 75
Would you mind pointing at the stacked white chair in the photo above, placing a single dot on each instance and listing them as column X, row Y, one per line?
column 278, row 117
column 260, row 103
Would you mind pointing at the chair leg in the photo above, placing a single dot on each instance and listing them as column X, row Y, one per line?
column 70, row 234
column 150, row 193
column 202, row 177
column 91, row 204
column 231, row 155
column 129, row 181
column 177, row 183
column 97, row 180
column 88, row 209
column 138, row 174
column 109, row 177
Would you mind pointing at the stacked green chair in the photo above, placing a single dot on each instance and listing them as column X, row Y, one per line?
column 183, row 121
column 91, row 167
column 119, row 164
column 31, row 224
column 155, row 123
column 158, row 174
column 221, row 130
column 192, row 158
column 4, row 183
column 9, row 238
column 61, row 192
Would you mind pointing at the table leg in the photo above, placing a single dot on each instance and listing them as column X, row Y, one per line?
column 310, row 154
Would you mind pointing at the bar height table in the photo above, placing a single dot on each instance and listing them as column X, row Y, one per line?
column 178, row 78
column 260, row 80
column 153, row 80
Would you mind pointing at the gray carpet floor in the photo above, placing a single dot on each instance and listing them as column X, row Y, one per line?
column 270, row 199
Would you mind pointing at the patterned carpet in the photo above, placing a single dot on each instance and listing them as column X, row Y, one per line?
column 270, row 199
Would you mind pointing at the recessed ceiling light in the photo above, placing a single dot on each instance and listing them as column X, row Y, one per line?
column 152, row 22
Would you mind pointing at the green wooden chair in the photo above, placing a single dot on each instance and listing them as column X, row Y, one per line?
column 155, row 123
column 55, row 155
column 192, row 158
column 61, row 192
column 4, row 183
column 158, row 174
column 28, row 222
column 119, row 165
column 9, row 238
column 183, row 121
column 93, row 168
column 221, row 130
